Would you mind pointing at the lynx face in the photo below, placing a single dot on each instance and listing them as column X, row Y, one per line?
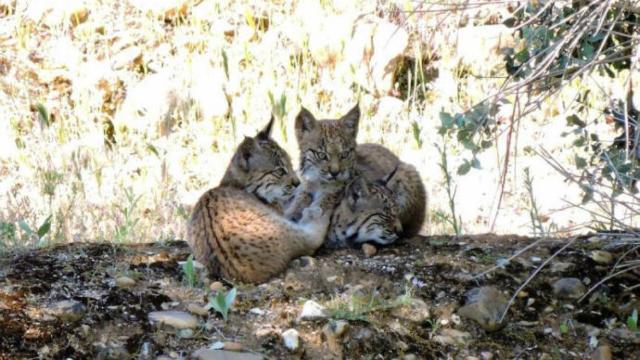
column 327, row 147
column 261, row 167
column 367, row 212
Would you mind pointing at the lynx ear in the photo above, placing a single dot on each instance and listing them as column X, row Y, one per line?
column 265, row 134
column 357, row 189
column 350, row 120
column 242, row 158
column 305, row 123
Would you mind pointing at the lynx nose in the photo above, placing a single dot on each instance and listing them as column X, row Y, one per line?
column 334, row 173
column 295, row 182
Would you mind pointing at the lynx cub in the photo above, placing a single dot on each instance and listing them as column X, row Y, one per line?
column 236, row 228
column 331, row 158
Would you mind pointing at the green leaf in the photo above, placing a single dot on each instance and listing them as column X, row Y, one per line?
column 25, row 227
column 446, row 119
column 475, row 163
column 632, row 320
column 230, row 297
column 581, row 162
column 43, row 115
column 225, row 63
column 575, row 120
column 464, row 168
column 44, row 228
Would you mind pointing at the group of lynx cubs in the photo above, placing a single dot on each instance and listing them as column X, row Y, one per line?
column 261, row 217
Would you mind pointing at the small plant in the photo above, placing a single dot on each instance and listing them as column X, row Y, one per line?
column 279, row 109
column 222, row 302
column 189, row 272
column 454, row 220
column 632, row 320
column 564, row 328
column 39, row 234
column 124, row 230
column 415, row 128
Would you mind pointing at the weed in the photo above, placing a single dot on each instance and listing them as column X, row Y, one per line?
column 124, row 230
column 454, row 220
column 415, row 128
column 188, row 270
column 222, row 302
column 37, row 235
column 632, row 320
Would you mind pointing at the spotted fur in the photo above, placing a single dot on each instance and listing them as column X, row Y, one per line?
column 236, row 229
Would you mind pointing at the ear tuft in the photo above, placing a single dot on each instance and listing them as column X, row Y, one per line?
column 352, row 118
column 265, row 134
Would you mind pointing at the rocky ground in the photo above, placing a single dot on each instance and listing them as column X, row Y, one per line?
column 415, row 300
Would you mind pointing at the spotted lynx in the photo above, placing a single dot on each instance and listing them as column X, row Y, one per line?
column 237, row 229
column 331, row 158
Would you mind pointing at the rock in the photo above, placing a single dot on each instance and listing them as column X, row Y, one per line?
column 336, row 328
column 257, row 311
column 291, row 340
column 185, row 333
column 626, row 335
column 312, row 311
column 369, row 250
column 176, row 319
column 486, row 355
column 561, row 267
column 216, row 286
column 601, row 257
column 415, row 311
column 67, row 310
column 364, row 334
column 485, row 306
column 266, row 331
column 208, row 354
column 233, row 346
column 197, row 309
column 569, row 288
column 452, row 337
column 125, row 282
column 603, row 352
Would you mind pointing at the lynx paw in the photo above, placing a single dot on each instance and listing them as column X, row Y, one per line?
column 311, row 214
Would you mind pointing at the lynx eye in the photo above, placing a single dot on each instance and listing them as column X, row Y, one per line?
column 322, row 156
column 280, row 172
column 345, row 155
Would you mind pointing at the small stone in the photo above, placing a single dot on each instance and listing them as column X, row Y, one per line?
column 125, row 282
column 561, row 267
column 485, row 305
column 265, row 331
column 176, row 319
column 67, row 310
column 603, row 352
column 233, row 346
column 335, row 328
column 216, row 286
column 312, row 311
column 569, row 288
column 415, row 311
column 486, row 355
column 185, row 333
column 197, row 309
column 364, row 334
column 257, row 311
column 369, row 250
column 291, row 340
column 601, row 257
column 209, row 354
column 452, row 337
column 306, row 262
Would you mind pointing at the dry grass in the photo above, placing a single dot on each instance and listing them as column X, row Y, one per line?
column 105, row 170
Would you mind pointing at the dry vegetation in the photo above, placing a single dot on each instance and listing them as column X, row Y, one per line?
column 116, row 115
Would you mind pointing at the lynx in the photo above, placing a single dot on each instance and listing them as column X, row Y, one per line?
column 237, row 229
column 330, row 158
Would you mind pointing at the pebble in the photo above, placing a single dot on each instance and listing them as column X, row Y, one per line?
column 335, row 328
column 265, row 331
column 601, row 257
column 312, row 311
column 486, row 355
column 561, row 267
column 257, row 311
column 125, row 282
column 67, row 310
column 569, row 288
column 364, row 334
column 415, row 311
column 216, row 286
column 209, row 354
column 176, row 319
column 369, row 250
column 185, row 333
column 603, row 352
column 485, row 305
column 452, row 337
column 291, row 339
column 197, row 309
